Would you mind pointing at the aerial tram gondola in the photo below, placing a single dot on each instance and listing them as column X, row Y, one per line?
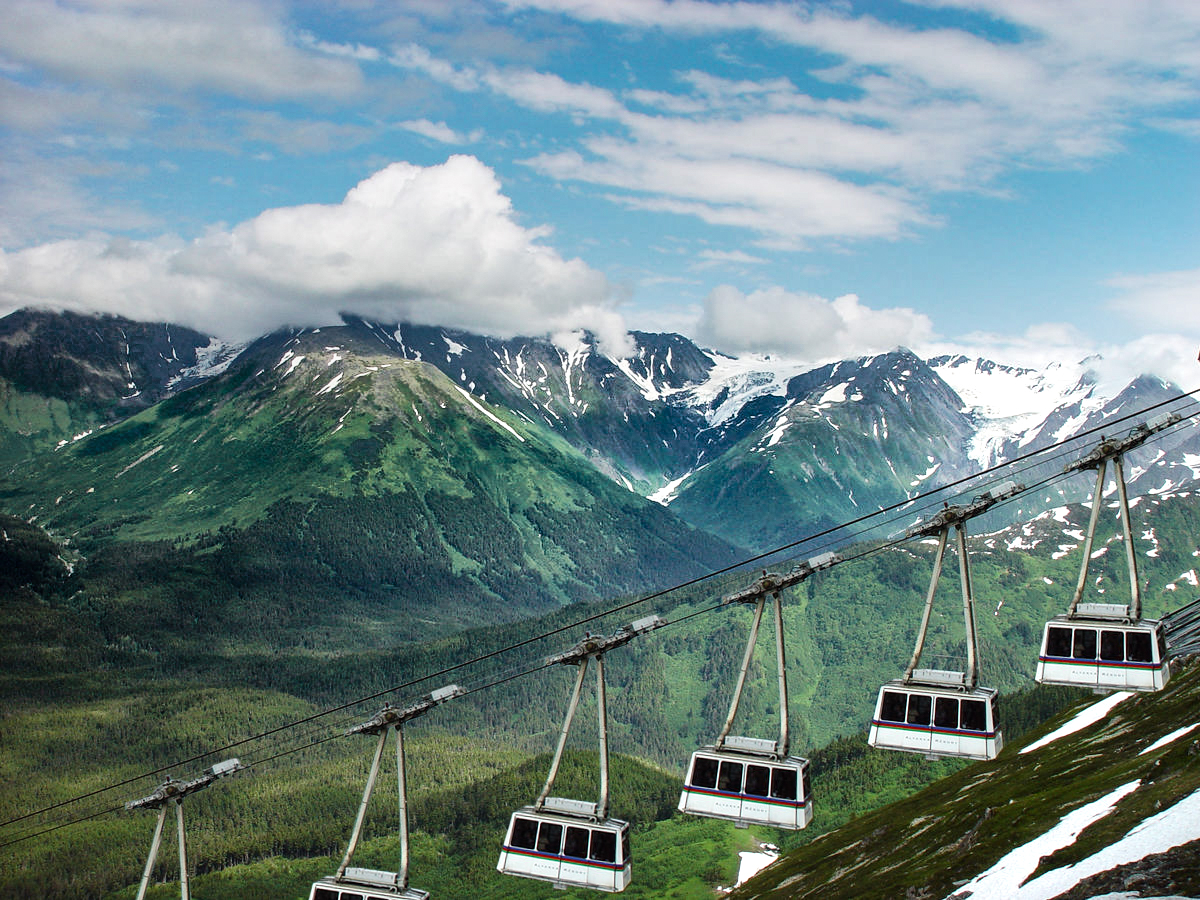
column 754, row 780
column 352, row 883
column 1107, row 646
column 933, row 711
column 575, row 843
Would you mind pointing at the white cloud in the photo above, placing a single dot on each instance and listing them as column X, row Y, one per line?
column 437, row 131
column 783, row 203
column 414, row 56
column 914, row 110
column 1168, row 355
column 49, row 195
column 145, row 45
column 295, row 135
column 804, row 326
column 436, row 245
column 542, row 91
column 728, row 257
column 1168, row 300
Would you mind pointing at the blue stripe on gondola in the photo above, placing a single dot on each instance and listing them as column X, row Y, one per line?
column 773, row 801
column 1106, row 664
column 958, row 732
column 591, row 863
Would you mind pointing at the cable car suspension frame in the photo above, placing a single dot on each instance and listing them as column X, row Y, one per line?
column 1113, row 450
column 382, row 723
column 955, row 517
column 173, row 791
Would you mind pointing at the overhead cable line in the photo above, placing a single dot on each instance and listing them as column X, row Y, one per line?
column 1053, row 449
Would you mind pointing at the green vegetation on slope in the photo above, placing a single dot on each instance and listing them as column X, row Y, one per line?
column 392, row 508
column 929, row 843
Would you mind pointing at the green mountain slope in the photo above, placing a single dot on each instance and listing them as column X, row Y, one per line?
column 85, row 708
column 847, row 440
column 314, row 485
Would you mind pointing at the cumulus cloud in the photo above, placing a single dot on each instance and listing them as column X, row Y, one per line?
column 436, row 245
column 804, row 326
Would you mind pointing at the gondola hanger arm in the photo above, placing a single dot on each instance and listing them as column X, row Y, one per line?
column 1112, row 448
column 950, row 516
column 393, row 716
column 774, row 582
column 597, row 645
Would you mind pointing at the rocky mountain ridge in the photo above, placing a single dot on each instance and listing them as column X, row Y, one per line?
column 754, row 449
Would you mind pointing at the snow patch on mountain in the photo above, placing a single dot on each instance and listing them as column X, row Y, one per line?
column 1008, row 401
column 1174, row 826
column 734, row 382
column 488, row 413
column 665, row 494
column 211, row 360
column 1004, row 880
column 649, row 390
column 1088, row 716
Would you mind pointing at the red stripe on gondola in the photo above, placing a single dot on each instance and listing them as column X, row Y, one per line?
column 773, row 801
column 537, row 854
column 904, row 726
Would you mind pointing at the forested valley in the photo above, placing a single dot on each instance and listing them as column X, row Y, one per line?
column 132, row 664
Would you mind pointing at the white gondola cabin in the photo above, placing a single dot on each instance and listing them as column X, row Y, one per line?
column 932, row 711
column 364, row 884
column 1108, row 646
column 1104, row 654
column 936, row 719
column 753, row 781
column 748, row 787
column 574, row 843
column 560, row 844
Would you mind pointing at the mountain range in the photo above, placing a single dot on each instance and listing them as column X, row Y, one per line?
column 753, row 450
column 321, row 513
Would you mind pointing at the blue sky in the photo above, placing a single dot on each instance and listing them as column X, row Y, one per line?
column 1013, row 177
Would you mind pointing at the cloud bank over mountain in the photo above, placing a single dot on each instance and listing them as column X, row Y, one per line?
column 442, row 245
column 437, row 245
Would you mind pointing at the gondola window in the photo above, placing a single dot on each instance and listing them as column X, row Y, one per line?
column 919, row 707
column 1085, row 644
column 758, row 781
column 1139, row 647
column 604, row 846
column 730, row 778
column 783, row 784
column 893, row 706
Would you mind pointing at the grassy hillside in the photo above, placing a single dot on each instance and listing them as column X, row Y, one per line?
column 932, row 842
column 271, row 830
